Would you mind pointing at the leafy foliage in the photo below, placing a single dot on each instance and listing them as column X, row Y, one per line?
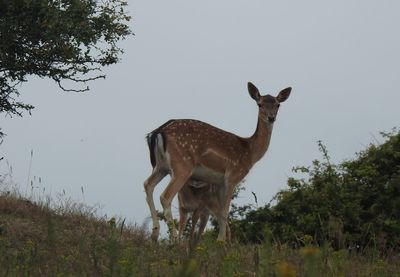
column 65, row 40
column 353, row 204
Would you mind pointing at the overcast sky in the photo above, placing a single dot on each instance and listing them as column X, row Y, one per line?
column 193, row 59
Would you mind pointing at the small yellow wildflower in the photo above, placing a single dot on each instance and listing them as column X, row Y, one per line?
column 29, row 243
column 307, row 239
column 309, row 251
column 123, row 262
column 220, row 242
column 200, row 249
column 284, row 269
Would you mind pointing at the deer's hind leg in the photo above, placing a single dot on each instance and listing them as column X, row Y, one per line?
column 156, row 176
column 178, row 180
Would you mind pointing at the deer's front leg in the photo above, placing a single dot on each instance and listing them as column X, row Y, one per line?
column 225, row 198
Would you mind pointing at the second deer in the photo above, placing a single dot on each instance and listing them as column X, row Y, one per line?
column 200, row 199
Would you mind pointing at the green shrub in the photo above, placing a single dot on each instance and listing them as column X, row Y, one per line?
column 353, row 204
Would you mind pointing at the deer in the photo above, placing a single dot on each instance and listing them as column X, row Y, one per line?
column 188, row 148
column 201, row 200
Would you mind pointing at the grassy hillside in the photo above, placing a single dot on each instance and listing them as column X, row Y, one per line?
column 69, row 240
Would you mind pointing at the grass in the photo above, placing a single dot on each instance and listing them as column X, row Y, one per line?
column 69, row 239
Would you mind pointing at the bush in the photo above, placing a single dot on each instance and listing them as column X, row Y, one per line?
column 353, row 204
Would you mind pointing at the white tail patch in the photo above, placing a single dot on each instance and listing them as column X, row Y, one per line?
column 160, row 143
column 162, row 156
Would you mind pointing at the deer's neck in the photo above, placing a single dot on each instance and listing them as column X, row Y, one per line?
column 261, row 138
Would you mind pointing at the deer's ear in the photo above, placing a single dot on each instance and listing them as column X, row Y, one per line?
column 284, row 94
column 253, row 91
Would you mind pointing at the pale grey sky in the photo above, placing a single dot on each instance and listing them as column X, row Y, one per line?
column 193, row 60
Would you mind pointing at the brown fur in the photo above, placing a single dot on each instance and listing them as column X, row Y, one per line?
column 197, row 150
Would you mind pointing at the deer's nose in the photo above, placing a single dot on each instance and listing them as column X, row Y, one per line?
column 271, row 118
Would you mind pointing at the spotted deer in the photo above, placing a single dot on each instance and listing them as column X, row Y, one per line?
column 201, row 200
column 185, row 148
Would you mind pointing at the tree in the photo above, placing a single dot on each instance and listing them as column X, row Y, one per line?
column 64, row 40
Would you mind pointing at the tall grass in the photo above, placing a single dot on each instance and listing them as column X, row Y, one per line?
column 42, row 237
column 38, row 241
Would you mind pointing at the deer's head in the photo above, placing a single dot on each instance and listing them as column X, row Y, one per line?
column 268, row 104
